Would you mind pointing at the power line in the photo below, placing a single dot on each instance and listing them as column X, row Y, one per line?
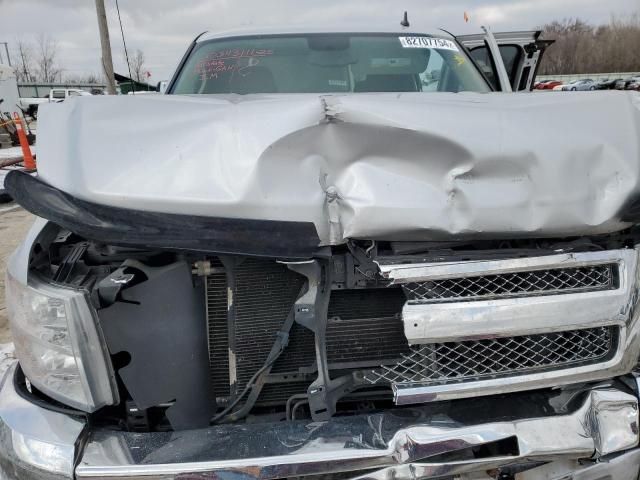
column 126, row 54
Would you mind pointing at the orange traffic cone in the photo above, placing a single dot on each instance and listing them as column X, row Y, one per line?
column 29, row 162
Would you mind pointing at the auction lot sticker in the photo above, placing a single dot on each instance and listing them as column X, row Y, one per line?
column 428, row 42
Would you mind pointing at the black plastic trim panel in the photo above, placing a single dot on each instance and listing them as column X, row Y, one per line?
column 123, row 226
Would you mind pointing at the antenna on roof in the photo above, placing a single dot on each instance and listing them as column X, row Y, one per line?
column 405, row 20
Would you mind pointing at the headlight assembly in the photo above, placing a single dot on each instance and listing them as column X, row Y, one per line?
column 58, row 343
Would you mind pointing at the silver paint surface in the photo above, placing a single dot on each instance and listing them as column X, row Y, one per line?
column 410, row 166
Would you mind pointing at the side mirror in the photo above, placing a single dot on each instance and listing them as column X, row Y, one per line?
column 162, row 86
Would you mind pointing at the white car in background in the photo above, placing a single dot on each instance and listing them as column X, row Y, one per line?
column 30, row 105
column 580, row 85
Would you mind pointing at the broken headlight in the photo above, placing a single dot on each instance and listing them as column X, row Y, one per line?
column 58, row 343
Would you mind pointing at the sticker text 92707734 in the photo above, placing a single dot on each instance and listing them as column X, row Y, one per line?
column 428, row 42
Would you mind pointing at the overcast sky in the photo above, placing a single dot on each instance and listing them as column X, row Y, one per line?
column 162, row 29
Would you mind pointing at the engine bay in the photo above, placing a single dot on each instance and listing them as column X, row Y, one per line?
column 198, row 339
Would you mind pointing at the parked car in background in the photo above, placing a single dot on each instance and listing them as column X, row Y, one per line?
column 634, row 84
column 606, row 83
column 548, row 84
column 623, row 83
column 578, row 85
column 30, row 105
column 162, row 86
column 558, row 88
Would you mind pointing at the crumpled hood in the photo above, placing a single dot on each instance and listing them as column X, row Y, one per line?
column 377, row 166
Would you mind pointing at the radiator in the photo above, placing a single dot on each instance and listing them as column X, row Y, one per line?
column 364, row 329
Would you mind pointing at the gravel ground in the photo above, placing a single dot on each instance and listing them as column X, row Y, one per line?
column 4, row 154
column 6, row 357
column 14, row 224
column 10, row 152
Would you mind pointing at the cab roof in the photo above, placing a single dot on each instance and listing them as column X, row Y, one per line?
column 393, row 28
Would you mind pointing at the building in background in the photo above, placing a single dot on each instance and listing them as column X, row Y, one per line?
column 126, row 85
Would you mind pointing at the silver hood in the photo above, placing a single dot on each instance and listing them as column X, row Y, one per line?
column 376, row 166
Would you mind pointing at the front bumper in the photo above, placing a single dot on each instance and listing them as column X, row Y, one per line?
column 602, row 429
column 35, row 443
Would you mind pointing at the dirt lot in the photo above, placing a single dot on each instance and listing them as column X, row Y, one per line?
column 14, row 223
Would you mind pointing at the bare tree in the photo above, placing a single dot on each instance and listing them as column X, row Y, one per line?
column 584, row 48
column 23, row 61
column 46, row 59
column 136, row 64
column 92, row 78
column 83, row 78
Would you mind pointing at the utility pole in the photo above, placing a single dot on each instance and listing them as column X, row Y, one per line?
column 107, row 61
column 6, row 49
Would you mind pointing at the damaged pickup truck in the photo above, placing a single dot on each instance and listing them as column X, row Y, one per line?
column 330, row 254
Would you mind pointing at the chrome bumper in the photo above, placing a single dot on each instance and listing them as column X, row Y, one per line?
column 35, row 444
column 409, row 443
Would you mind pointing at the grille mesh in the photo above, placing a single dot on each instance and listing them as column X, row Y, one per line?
column 439, row 363
column 535, row 282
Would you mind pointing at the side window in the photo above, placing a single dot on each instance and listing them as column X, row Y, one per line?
column 511, row 57
column 73, row 93
column 28, row 91
column 483, row 58
column 58, row 94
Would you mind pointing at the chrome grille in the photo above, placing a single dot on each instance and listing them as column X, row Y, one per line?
column 534, row 282
column 477, row 359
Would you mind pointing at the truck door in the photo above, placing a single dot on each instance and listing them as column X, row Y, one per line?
column 520, row 52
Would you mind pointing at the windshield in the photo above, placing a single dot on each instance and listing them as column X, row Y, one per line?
column 328, row 64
